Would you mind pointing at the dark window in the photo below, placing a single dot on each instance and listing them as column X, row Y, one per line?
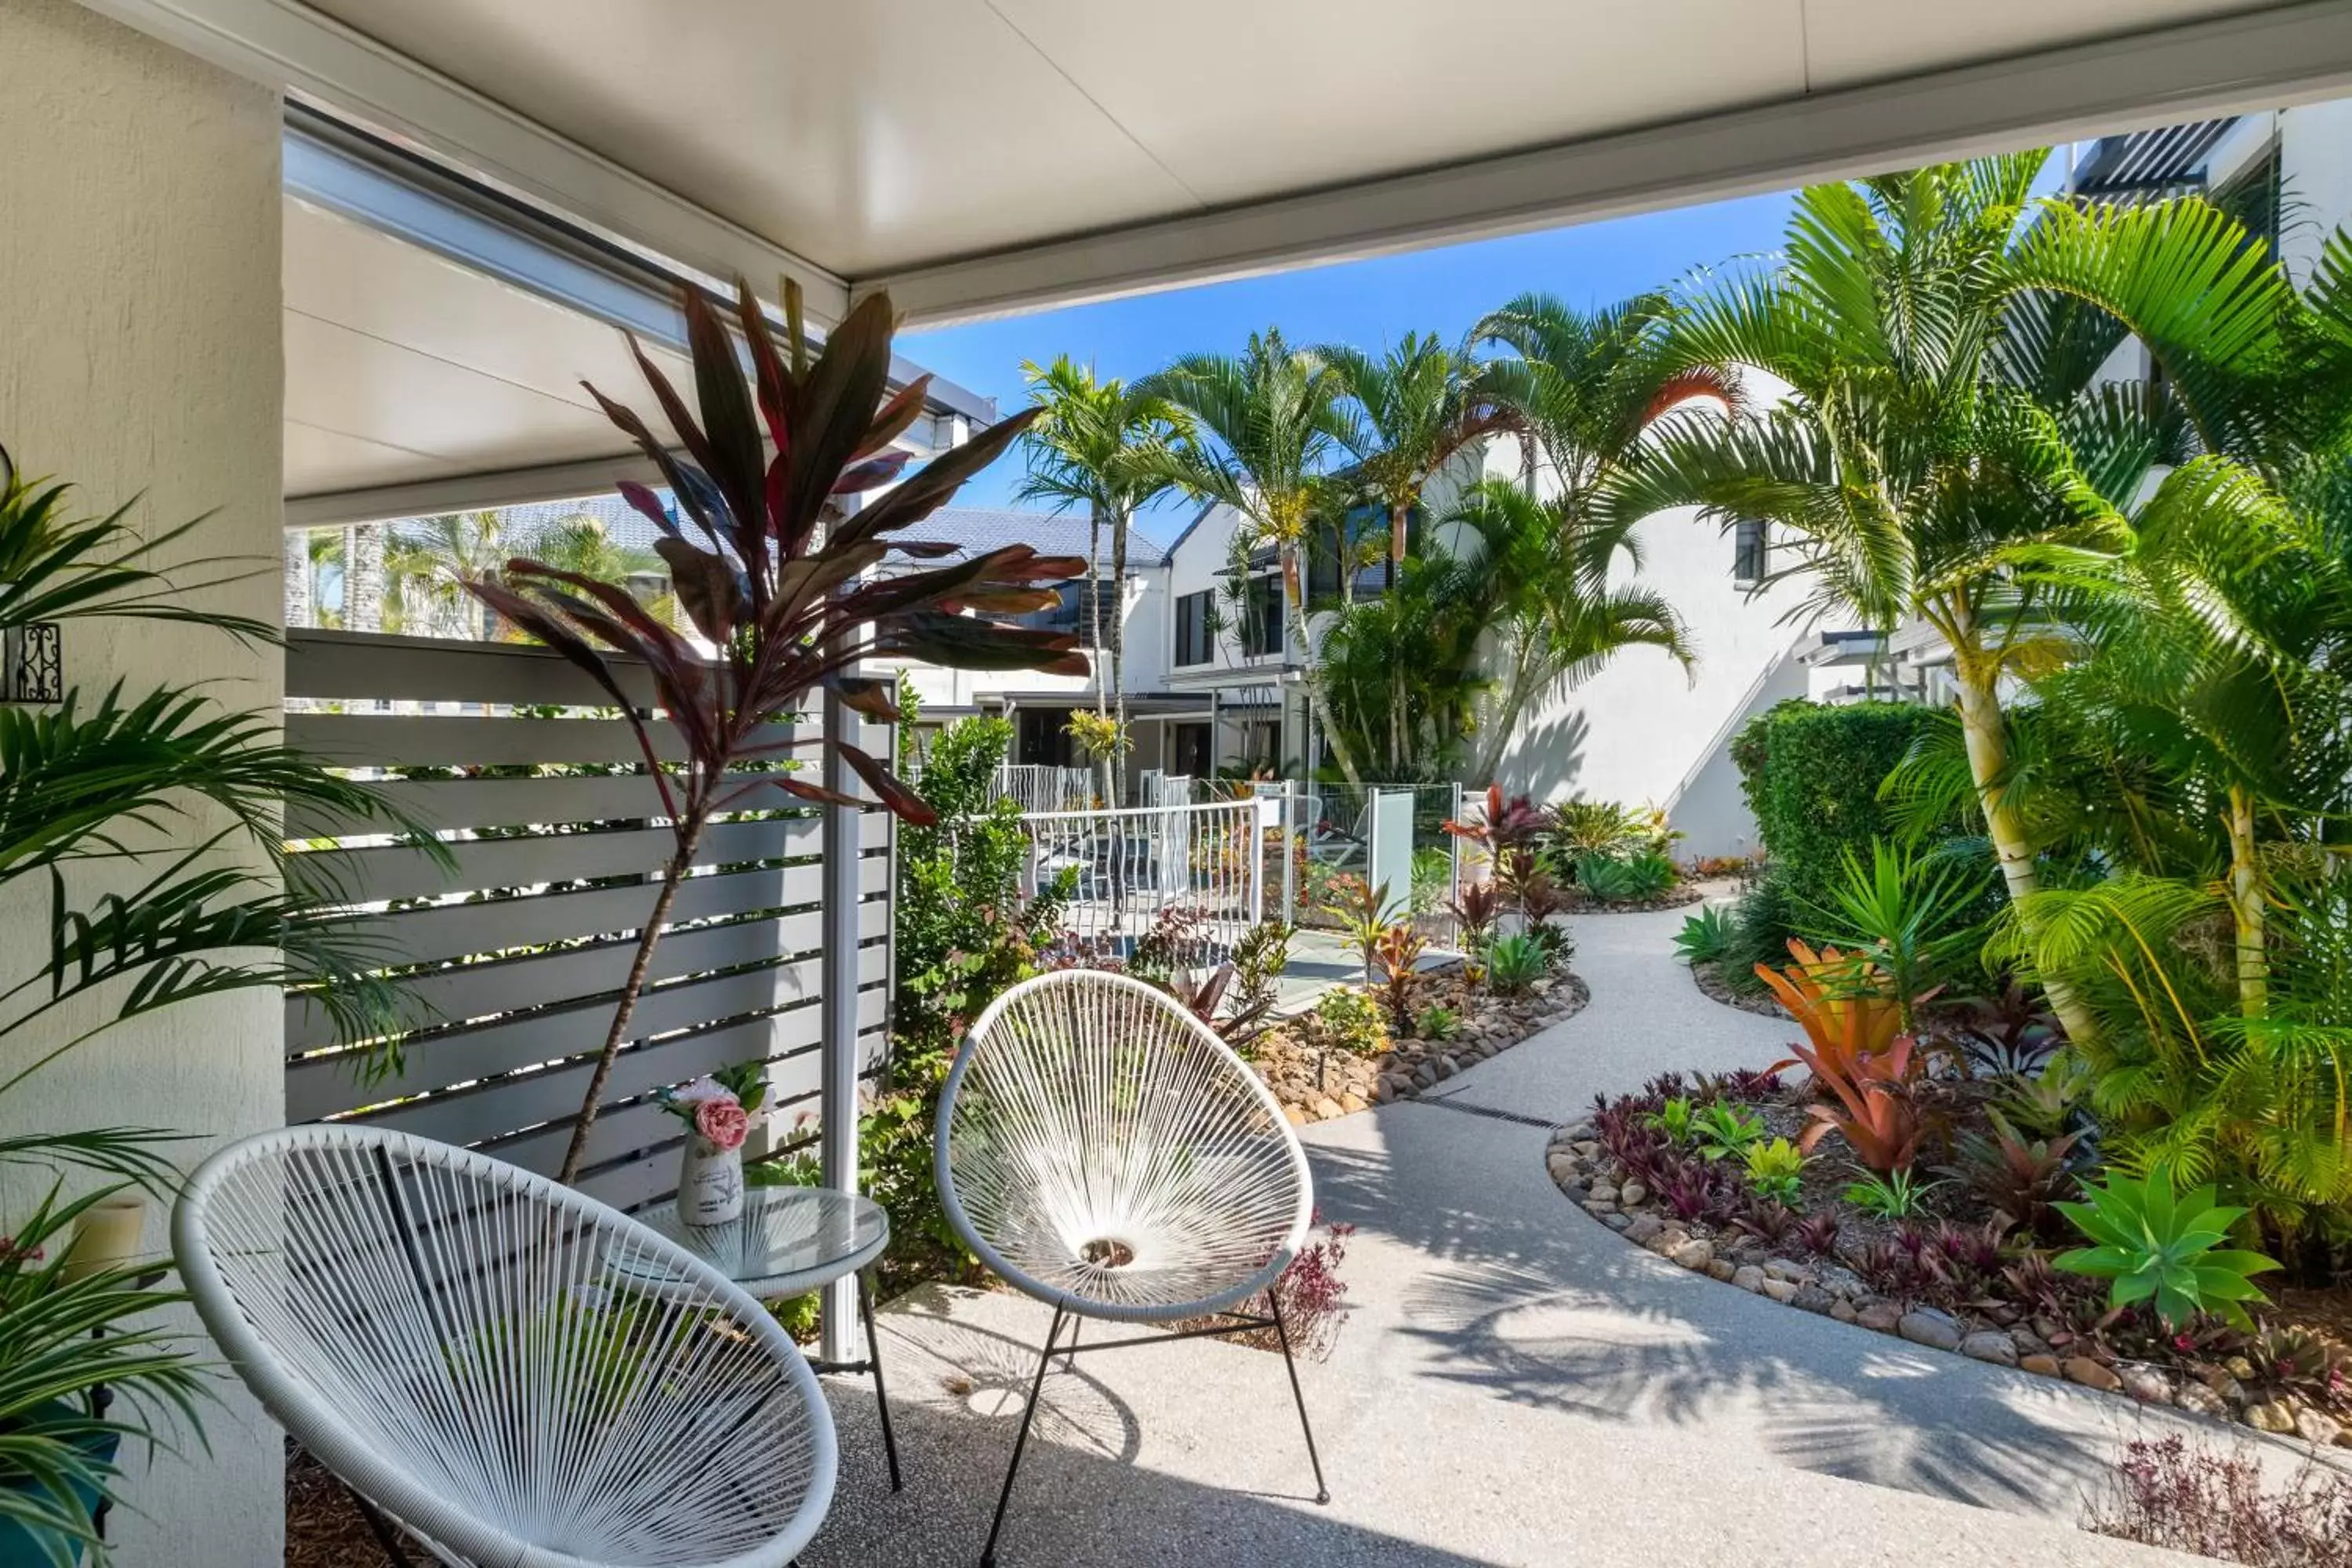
column 1071, row 615
column 1192, row 620
column 1751, row 548
column 1044, row 738
column 1191, row 744
column 2252, row 197
column 1366, row 534
column 1262, row 624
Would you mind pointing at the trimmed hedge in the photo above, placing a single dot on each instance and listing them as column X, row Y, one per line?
column 1811, row 773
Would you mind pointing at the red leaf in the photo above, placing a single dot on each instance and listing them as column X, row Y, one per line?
column 904, row 803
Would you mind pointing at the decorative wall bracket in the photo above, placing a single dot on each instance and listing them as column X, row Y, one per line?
column 32, row 663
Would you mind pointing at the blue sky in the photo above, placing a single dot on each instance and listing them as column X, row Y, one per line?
column 1368, row 303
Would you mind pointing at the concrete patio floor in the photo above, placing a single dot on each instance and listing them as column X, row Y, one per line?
column 1515, row 1384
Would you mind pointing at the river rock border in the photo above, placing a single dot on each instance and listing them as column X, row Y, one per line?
column 1321, row 1083
column 1584, row 1173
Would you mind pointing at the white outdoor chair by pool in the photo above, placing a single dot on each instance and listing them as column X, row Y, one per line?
column 519, row 1374
column 1103, row 1151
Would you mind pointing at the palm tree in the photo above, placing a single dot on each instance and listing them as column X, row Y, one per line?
column 1586, row 387
column 2216, row 630
column 1555, row 616
column 1266, row 426
column 127, row 934
column 431, row 559
column 1416, row 408
column 1101, row 444
column 1940, row 331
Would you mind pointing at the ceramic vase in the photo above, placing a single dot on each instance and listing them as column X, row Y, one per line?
column 709, row 1182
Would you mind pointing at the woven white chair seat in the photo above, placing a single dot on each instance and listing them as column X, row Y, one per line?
column 476, row 1351
column 1101, row 1148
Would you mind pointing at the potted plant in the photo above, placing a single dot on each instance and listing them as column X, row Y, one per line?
column 84, row 1370
column 719, row 1111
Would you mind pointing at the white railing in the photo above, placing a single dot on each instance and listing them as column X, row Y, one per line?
column 1037, row 786
column 1125, row 869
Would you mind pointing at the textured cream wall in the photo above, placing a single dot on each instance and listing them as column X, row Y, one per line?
column 139, row 282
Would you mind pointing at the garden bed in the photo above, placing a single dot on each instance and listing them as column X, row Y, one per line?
column 1681, row 896
column 1953, row 1277
column 1317, row 1078
column 1708, row 977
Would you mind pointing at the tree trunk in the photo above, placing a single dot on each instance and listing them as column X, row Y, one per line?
column 297, row 578
column 1118, row 525
column 1986, row 734
column 364, row 577
column 2246, row 907
column 1295, row 600
column 1506, row 715
column 1400, row 520
column 648, row 938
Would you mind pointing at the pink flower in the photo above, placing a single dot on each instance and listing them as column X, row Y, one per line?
column 723, row 1121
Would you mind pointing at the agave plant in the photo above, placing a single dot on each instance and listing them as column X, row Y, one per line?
column 789, row 585
column 2164, row 1249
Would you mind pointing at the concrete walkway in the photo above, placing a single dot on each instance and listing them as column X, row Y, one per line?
column 1516, row 1385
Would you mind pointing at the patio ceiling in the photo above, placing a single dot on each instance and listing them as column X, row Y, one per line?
column 985, row 156
column 402, row 366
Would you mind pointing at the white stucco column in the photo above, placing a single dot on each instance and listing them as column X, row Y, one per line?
column 140, row 281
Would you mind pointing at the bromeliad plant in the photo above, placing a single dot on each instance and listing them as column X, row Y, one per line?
column 1841, row 1001
column 787, row 586
column 1776, row 1172
column 1873, row 1112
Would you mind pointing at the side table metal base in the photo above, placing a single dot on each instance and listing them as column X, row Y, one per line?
column 872, row 1363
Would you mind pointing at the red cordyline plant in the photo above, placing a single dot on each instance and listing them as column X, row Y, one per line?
column 785, row 583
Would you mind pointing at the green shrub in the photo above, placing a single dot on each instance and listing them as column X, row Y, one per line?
column 1438, row 1024
column 1776, row 1170
column 1897, row 1194
column 1676, row 1119
column 1516, row 962
column 1727, row 1133
column 1630, row 880
column 1811, row 773
column 1352, row 1020
column 1757, row 932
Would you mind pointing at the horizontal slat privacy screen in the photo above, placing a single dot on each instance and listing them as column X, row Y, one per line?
column 516, row 957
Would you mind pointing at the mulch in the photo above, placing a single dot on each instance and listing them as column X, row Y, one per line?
column 324, row 1528
column 1682, row 896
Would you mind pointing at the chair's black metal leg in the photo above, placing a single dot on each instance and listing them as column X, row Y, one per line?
column 1322, row 1492
column 874, row 1355
column 1021, row 1441
column 1070, row 1359
column 382, row 1526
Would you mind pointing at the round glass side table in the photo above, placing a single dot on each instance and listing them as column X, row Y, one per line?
column 790, row 1241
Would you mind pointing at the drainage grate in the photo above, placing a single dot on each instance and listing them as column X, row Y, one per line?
column 1446, row 1101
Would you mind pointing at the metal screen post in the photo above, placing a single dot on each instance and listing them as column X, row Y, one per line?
column 1454, row 845
column 837, row 965
column 1290, row 851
